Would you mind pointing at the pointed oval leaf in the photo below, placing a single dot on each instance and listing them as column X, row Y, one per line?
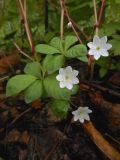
column 33, row 68
column 52, row 63
column 76, row 51
column 19, row 83
column 83, row 58
column 53, row 89
column 56, row 42
column 46, row 49
column 34, row 91
column 69, row 41
column 60, row 107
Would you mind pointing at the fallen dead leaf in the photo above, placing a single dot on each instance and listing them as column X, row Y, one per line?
column 8, row 61
column 24, row 138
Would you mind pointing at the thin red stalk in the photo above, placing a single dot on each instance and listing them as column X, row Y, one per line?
column 77, row 27
column 73, row 28
column 24, row 21
column 73, row 22
column 100, row 15
column 101, row 12
column 84, row 34
column 97, row 21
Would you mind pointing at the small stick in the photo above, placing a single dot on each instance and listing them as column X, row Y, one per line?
column 23, row 53
column 100, row 142
column 19, row 116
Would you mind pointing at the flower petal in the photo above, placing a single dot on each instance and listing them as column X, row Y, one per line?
column 97, row 55
column 74, row 112
column 61, row 71
column 69, row 86
column 75, row 72
column 62, row 85
column 96, row 40
column 59, row 77
column 75, row 80
column 81, row 120
column 91, row 45
column 104, row 53
column 103, row 39
column 76, row 118
column 68, row 69
column 89, row 111
column 107, row 46
column 87, row 117
column 91, row 52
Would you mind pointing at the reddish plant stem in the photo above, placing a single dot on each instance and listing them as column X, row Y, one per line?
column 97, row 21
column 69, row 20
column 73, row 28
column 101, row 12
column 62, row 19
column 73, row 22
column 22, row 11
column 77, row 27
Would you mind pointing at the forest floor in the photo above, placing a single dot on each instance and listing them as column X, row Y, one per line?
column 32, row 132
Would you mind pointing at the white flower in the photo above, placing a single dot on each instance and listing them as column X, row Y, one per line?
column 99, row 47
column 69, row 25
column 67, row 77
column 81, row 114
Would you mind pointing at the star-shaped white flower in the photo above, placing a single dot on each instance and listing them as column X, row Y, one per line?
column 67, row 77
column 99, row 47
column 82, row 114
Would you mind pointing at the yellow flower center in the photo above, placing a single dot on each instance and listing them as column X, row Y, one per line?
column 98, row 48
column 66, row 77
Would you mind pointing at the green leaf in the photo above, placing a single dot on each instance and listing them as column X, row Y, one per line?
column 103, row 72
column 56, row 42
column 69, row 41
column 19, row 83
column 33, row 68
column 52, row 63
column 46, row 49
column 115, row 46
column 83, row 58
column 60, row 107
column 53, row 89
column 34, row 91
column 109, row 29
column 76, row 51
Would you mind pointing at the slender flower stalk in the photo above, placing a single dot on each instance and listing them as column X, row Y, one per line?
column 22, row 11
column 101, row 12
column 62, row 19
column 72, row 26
column 97, row 23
